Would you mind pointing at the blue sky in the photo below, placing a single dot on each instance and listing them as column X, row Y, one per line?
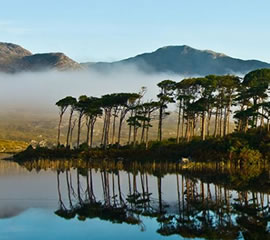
column 106, row 30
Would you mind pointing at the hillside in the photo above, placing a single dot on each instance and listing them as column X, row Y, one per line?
column 14, row 58
column 43, row 61
column 184, row 60
column 9, row 54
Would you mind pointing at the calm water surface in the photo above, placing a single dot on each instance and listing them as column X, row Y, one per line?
column 41, row 202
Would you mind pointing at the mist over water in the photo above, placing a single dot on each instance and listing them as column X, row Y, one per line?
column 38, row 91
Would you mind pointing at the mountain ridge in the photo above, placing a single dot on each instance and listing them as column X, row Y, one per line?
column 184, row 60
column 176, row 59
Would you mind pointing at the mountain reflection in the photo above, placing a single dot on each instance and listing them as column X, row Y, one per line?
column 200, row 209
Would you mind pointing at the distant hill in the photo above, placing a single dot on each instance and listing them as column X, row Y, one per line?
column 184, row 60
column 9, row 54
column 42, row 61
column 14, row 58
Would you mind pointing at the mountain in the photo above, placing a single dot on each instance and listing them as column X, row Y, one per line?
column 183, row 60
column 9, row 54
column 14, row 58
column 43, row 61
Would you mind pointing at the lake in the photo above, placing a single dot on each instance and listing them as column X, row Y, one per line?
column 63, row 200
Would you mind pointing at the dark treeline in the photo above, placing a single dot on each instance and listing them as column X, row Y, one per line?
column 205, row 107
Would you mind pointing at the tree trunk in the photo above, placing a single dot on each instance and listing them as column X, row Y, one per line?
column 183, row 123
column 216, row 123
column 268, row 123
column 193, row 127
column 143, row 129
column 209, row 122
column 113, row 130
column 88, row 123
column 187, row 129
column 119, row 132
column 59, row 126
column 92, row 132
column 254, row 118
column 246, row 126
column 147, row 131
column 203, row 127
column 146, row 138
column 262, row 119
column 228, row 116
column 69, row 126
column 107, row 129
column 228, row 122
column 220, row 122
column 239, row 126
column 225, row 121
column 79, row 130
column 104, row 126
column 130, row 127
column 178, row 123
column 71, row 133
column 160, row 124
column 135, row 136
column 122, row 117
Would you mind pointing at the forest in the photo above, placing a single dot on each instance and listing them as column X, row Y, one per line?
column 222, row 113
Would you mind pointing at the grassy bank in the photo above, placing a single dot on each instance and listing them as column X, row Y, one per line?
column 8, row 146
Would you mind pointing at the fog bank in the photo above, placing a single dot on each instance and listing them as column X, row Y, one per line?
column 38, row 91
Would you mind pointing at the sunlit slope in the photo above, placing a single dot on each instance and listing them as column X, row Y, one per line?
column 12, row 146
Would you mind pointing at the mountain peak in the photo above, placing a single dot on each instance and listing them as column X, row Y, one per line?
column 185, row 60
column 11, row 48
column 185, row 49
column 175, row 48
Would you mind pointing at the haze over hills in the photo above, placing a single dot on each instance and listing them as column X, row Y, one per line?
column 14, row 58
column 182, row 60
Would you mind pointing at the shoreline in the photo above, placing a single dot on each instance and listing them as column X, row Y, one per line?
column 249, row 148
column 219, row 173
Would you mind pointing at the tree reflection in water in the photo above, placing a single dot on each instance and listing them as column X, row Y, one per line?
column 201, row 209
